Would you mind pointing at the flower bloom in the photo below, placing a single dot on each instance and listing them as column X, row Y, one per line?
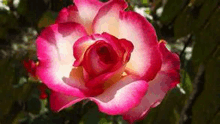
column 30, row 67
column 100, row 52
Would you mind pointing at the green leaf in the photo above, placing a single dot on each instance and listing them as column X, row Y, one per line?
column 8, row 91
column 171, row 9
column 3, row 32
column 207, row 39
column 193, row 18
column 197, row 2
column 22, row 7
column 207, row 104
column 47, row 19
column 183, row 23
column 93, row 117
column 7, row 21
column 216, row 119
column 145, row 1
column 5, row 2
column 204, row 13
column 32, row 10
column 34, row 105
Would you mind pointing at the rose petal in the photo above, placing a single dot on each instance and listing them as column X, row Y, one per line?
column 83, row 44
column 99, row 57
column 122, row 96
column 165, row 80
column 75, row 79
column 87, row 11
column 119, row 45
column 108, row 16
column 145, row 59
column 83, row 12
column 68, row 14
column 88, row 8
column 129, row 47
column 106, row 79
column 54, row 51
column 97, row 70
column 59, row 101
column 80, row 47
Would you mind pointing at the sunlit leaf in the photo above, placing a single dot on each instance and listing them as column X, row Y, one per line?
column 5, row 2
column 145, row 1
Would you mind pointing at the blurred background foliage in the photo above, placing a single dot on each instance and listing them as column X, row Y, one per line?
column 190, row 27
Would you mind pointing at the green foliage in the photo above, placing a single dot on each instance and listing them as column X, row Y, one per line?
column 183, row 23
column 205, row 12
column 47, row 19
column 193, row 17
column 145, row 1
column 94, row 116
column 8, row 87
column 207, row 105
column 30, row 10
column 207, row 39
column 7, row 21
column 171, row 9
column 216, row 119
column 22, row 7
column 5, row 2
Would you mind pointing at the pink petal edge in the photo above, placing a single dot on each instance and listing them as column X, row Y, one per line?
column 145, row 60
column 166, row 79
column 122, row 96
column 107, row 17
column 54, row 51
column 115, row 100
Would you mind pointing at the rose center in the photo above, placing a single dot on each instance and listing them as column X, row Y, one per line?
column 107, row 55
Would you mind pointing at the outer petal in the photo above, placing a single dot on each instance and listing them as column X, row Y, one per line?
column 59, row 101
column 165, row 80
column 122, row 96
column 107, row 19
column 145, row 59
column 69, row 14
column 82, row 12
column 54, row 51
column 115, row 100
column 88, row 8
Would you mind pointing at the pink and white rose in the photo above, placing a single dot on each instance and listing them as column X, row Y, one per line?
column 99, row 51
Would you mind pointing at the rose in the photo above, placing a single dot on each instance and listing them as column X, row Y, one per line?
column 30, row 67
column 100, row 52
